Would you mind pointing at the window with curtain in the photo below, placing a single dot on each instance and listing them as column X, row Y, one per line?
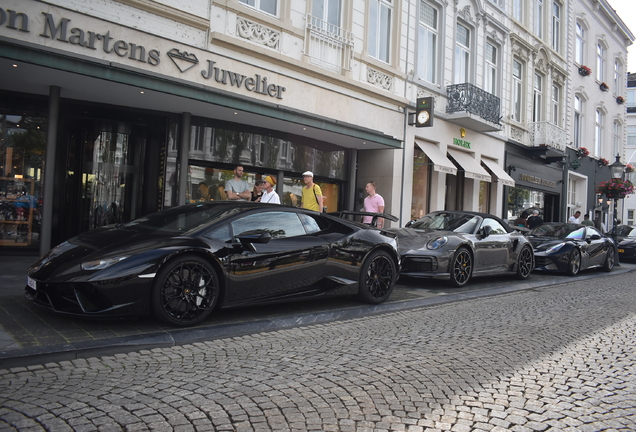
column 517, row 90
column 379, row 36
column 327, row 10
column 556, row 104
column 598, row 132
column 600, row 62
column 490, row 64
column 538, row 19
column 556, row 26
column 537, row 98
column 517, row 10
column 427, row 42
column 579, row 44
column 578, row 119
column 267, row 6
column 462, row 55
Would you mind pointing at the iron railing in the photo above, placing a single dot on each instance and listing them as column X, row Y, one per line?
column 470, row 98
column 548, row 134
column 328, row 45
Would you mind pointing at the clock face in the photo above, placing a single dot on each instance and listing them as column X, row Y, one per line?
column 422, row 117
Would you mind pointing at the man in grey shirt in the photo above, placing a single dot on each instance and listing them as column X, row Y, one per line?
column 237, row 188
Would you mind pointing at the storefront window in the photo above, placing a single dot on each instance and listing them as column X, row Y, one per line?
column 208, row 184
column 419, row 200
column 522, row 200
column 22, row 153
column 484, row 197
column 292, row 193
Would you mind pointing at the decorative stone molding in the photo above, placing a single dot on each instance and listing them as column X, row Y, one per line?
column 466, row 15
column 257, row 33
column 516, row 134
column 379, row 79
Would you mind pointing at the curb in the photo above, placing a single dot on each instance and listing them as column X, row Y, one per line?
column 107, row 347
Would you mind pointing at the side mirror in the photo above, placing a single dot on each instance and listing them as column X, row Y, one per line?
column 594, row 237
column 486, row 231
column 409, row 223
column 248, row 238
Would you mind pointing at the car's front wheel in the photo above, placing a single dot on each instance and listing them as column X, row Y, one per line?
column 574, row 263
column 610, row 259
column 525, row 263
column 186, row 291
column 377, row 277
column 461, row 267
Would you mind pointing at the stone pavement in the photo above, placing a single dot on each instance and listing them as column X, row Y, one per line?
column 552, row 358
column 29, row 335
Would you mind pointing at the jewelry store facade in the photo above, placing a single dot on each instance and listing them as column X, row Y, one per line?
column 122, row 122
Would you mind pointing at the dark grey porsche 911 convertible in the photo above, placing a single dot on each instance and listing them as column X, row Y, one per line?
column 459, row 245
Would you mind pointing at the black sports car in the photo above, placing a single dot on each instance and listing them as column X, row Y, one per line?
column 570, row 248
column 181, row 263
column 457, row 245
column 626, row 236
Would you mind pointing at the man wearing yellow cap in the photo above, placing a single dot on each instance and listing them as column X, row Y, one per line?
column 270, row 195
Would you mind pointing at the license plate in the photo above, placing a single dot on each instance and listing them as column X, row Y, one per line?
column 621, row 251
column 32, row 283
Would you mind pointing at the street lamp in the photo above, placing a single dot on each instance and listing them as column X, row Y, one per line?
column 618, row 171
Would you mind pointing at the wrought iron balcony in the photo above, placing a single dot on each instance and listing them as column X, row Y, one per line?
column 548, row 134
column 472, row 101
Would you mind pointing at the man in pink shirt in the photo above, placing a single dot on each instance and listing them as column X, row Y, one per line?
column 374, row 203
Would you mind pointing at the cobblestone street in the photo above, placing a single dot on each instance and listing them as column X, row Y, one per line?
column 559, row 358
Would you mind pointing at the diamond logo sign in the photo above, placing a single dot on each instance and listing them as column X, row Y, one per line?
column 182, row 60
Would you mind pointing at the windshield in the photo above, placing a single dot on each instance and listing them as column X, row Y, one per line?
column 626, row 231
column 559, row 231
column 185, row 218
column 457, row 222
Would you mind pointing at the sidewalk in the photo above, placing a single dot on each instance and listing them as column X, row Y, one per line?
column 30, row 335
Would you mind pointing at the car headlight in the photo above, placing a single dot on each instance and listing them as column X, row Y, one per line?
column 437, row 243
column 555, row 248
column 101, row 264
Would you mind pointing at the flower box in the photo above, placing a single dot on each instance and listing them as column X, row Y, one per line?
column 582, row 151
column 585, row 71
column 603, row 162
column 604, row 87
column 620, row 100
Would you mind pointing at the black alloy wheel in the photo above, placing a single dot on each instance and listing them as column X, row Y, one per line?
column 574, row 263
column 377, row 277
column 525, row 263
column 186, row 291
column 610, row 259
column 461, row 268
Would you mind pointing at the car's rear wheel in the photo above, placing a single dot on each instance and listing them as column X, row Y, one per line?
column 574, row 263
column 461, row 267
column 186, row 291
column 377, row 277
column 525, row 263
column 610, row 259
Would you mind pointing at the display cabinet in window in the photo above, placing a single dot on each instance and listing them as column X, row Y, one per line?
column 17, row 210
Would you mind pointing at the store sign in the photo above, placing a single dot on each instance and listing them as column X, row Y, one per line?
column 461, row 143
column 62, row 31
column 537, row 180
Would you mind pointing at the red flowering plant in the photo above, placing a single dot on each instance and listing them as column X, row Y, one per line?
column 620, row 100
column 604, row 87
column 585, row 71
column 615, row 188
column 629, row 168
column 582, row 151
column 603, row 162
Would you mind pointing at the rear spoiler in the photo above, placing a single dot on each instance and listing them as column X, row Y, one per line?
column 374, row 216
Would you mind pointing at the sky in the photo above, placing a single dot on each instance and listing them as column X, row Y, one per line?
column 626, row 9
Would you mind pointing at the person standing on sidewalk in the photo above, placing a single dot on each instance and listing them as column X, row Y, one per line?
column 312, row 195
column 270, row 195
column 535, row 220
column 373, row 203
column 237, row 188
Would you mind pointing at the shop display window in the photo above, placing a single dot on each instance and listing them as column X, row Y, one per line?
column 419, row 201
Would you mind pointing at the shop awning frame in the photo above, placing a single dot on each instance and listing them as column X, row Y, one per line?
column 471, row 166
column 439, row 159
column 501, row 175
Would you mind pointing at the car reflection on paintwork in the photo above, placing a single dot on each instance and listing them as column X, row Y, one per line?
column 459, row 245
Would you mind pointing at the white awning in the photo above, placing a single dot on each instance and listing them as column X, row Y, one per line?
column 471, row 167
column 439, row 159
column 499, row 172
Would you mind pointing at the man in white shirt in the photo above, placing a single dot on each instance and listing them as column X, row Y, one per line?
column 575, row 219
column 270, row 195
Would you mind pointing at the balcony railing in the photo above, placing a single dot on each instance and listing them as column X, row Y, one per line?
column 548, row 134
column 470, row 98
column 328, row 45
